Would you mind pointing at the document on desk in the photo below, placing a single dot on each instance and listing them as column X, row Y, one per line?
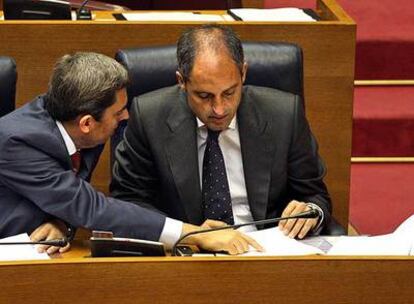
column 20, row 252
column 276, row 243
column 398, row 243
column 285, row 14
column 176, row 16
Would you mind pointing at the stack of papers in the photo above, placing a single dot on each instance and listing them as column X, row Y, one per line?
column 20, row 252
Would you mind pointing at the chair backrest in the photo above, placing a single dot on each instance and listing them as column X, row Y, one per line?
column 8, row 77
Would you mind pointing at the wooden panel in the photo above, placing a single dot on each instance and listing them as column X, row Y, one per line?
column 252, row 3
column 210, row 280
column 328, row 47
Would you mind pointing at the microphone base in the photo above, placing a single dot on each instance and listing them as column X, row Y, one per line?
column 84, row 14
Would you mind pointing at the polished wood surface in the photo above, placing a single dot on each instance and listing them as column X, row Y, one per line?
column 252, row 3
column 328, row 47
column 306, row 279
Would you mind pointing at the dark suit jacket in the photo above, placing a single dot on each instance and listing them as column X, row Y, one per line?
column 157, row 163
column 37, row 183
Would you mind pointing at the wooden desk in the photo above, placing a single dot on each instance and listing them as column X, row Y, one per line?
column 328, row 47
column 311, row 279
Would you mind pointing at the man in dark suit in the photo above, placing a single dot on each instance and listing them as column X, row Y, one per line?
column 176, row 134
column 49, row 148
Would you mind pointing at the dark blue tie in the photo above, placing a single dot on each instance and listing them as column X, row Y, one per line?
column 216, row 192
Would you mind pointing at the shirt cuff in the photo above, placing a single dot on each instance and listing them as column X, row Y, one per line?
column 317, row 229
column 171, row 232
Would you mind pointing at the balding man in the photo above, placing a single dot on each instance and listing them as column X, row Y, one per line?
column 212, row 148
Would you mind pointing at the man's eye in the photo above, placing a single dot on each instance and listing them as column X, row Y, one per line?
column 228, row 94
column 204, row 95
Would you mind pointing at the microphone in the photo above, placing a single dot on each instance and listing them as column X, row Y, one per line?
column 313, row 213
column 54, row 242
column 83, row 12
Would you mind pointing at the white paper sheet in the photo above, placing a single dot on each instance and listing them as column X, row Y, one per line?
column 175, row 16
column 388, row 244
column 276, row 243
column 20, row 252
column 287, row 14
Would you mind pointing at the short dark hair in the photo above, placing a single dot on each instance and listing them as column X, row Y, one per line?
column 212, row 37
column 84, row 83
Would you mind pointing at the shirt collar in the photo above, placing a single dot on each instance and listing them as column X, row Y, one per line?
column 232, row 125
column 70, row 145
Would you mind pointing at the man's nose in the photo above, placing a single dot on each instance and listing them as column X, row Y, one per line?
column 125, row 115
column 218, row 106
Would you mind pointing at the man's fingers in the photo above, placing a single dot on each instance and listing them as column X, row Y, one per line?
column 52, row 249
column 309, row 224
column 42, row 248
column 294, row 207
column 40, row 233
column 238, row 244
column 296, row 228
column 213, row 224
column 289, row 210
column 253, row 243
column 64, row 249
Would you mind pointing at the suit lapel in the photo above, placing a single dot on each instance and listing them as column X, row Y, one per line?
column 256, row 146
column 89, row 159
column 181, row 150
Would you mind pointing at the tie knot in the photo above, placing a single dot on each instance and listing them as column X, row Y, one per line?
column 213, row 135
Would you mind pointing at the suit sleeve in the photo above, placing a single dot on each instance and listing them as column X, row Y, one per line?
column 43, row 181
column 134, row 177
column 306, row 169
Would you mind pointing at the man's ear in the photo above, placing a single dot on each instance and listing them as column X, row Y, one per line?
column 180, row 80
column 86, row 123
column 244, row 71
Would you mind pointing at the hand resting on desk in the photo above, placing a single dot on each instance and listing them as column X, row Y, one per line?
column 231, row 241
column 54, row 229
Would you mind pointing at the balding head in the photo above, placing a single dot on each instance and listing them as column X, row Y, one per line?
column 211, row 39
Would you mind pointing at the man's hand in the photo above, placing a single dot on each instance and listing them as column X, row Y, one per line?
column 55, row 229
column 231, row 241
column 296, row 227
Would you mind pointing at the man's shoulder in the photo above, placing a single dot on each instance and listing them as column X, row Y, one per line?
column 161, row 95
column 158, row 102
column 267, row 93
column 28, row 122
column 269, row 100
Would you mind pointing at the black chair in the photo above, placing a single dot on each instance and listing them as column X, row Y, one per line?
column 8, row 77
column 274, row 65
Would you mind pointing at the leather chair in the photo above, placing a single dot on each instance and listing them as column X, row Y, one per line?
column 8, row 77
column 274, row 65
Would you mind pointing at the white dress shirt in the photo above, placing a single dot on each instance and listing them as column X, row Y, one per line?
column 171, row 231
column 229, row 141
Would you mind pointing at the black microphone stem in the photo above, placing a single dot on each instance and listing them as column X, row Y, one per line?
column 306, row 214
column 57, row 242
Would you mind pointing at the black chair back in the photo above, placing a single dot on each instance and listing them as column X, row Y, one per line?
column 8, row 78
